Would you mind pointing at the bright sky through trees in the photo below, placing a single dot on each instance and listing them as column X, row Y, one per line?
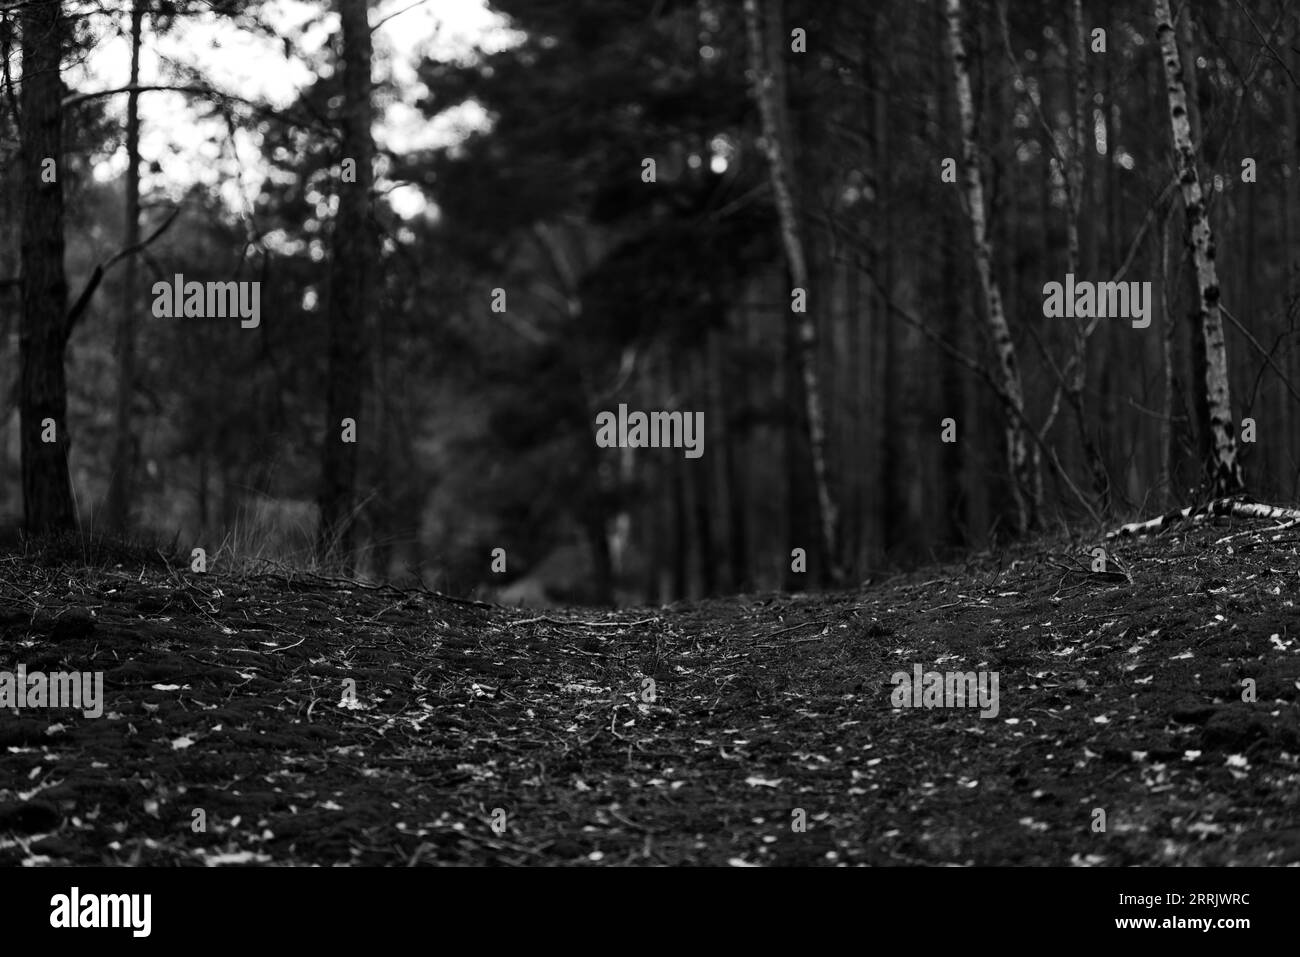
column 189, row 150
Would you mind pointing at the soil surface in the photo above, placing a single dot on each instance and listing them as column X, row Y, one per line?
column 1146, row 714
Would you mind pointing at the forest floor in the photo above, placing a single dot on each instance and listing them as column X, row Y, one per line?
column 298, row 720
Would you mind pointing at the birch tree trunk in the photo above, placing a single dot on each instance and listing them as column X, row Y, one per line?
column 1224, row 467
column 1022, row 459
column 769, row 85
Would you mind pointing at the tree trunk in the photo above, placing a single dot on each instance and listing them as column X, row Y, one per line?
column 385, row 473
column 601, row 589
column 1224, row 468
column 1290, row 237
column 1075, row 177
column 732, row 440
column 853, row 520
column 1167, row 331
column 956, row 518
column 769, row 91
column 201, row 498
column 43, row 395
column 879, row 402
column 800, row 509
column 701, row 477
column 681, row 538
column 1022, row 460
column 118, row 507
column 889, row 475
column 1199, row 421
column 350, row 290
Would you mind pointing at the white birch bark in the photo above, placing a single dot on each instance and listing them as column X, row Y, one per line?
column 1225, row 474
column 768, row 77
column 1022, row 460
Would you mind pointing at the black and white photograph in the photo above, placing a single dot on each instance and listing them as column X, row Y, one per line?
column 635, row 434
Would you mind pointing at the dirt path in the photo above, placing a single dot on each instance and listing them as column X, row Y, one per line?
column 229, row 703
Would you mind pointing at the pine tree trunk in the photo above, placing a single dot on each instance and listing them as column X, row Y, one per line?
column 1290, row 423
column 701, row 477
column 1168, row 329
column 350, row 291
column 799, row 502
column 1075, row 176
column 732, row 440
column 42, row 388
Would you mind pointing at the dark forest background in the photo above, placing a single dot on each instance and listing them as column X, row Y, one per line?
column 475, row 427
